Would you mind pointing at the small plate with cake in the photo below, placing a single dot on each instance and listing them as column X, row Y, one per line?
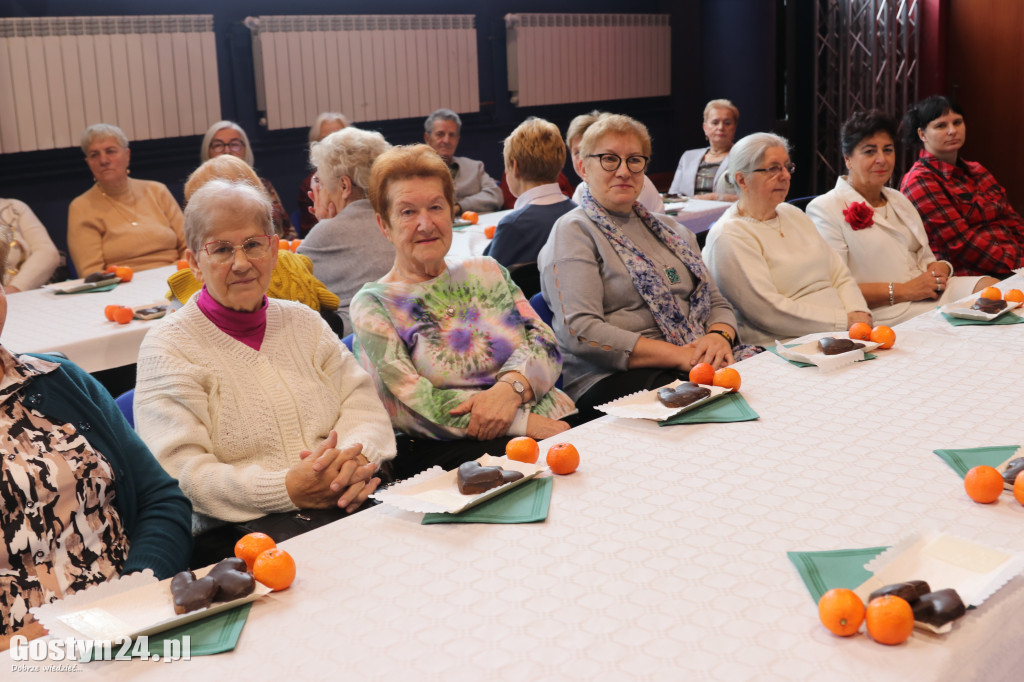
column 451, row 492
column 985, row 309
column 827, row 351
column 663, row 403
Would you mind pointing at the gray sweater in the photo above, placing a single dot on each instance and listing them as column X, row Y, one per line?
column 475, row 190
column 589, row 289
column 348, row 251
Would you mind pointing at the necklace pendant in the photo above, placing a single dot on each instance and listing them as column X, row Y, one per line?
column 450, row 311
column 134, row 224
column 673, row 276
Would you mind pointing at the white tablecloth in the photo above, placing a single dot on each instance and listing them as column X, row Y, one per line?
column 664, row 556
column 700, row 214
column 39, row 321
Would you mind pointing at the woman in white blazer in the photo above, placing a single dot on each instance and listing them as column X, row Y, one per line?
column 877, row 231
column 701, row 172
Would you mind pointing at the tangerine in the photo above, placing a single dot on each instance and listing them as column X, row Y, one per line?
column 890, row 619
column 182, row 264
column 284, row 245
column 489, row 231
column 991, row 292
column 703, row 373
column 275, row 568
column 471, row 216
column 729, row 378
column 522, row 449
column 111, row 269
column 295, row 245
column 123, row 315
column 110, row 310
column 984, row 484
column 1014, row 296
column 251, row 546
column 124, row 273
column 884, row 336
column 860, row 331
column 841, row 611
column 563, row 458
column 1018, row 487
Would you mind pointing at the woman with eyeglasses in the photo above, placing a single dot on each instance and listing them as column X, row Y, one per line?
column 254, row 404
column 121, row 220
column 633, row 303
column 782, row 277
column 877, row 231
column 227, row 137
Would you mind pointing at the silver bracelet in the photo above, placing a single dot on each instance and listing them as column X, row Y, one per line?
column 892, row 294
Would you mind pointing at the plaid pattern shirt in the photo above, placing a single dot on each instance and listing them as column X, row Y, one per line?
column 969, row 220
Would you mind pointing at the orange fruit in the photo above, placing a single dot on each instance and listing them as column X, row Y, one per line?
column 890, row 619
column 123, row 315
column 471, row 216
column 860, row 331
column 703, row 373
column 1018, row 487
column 563, row 458
column 125, row 273
column 284, row 245
column 991, row 292
column 841, row 611
column 489, row 231
column 275, row 568
column 1014, row 296
column 182, row 264
column 728, row 378
column 295, row 245
column 522, row 449
column 111, row 269
column 883, row 335
column 984, row 484
column 110, row 310
column 251, row 546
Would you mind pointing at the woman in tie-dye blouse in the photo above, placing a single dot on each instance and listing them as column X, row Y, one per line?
column 455, row 349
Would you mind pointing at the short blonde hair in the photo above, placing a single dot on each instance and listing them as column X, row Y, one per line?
column 615, row 124
column 579, row 125
column 403, row 163
column 103, row 131
column 349, row 151
column 537, row 149
column 224, row 167
column 204, row 151
column 314, row 130
column 721, row 104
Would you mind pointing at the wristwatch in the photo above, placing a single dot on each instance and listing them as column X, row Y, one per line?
column 517, row 386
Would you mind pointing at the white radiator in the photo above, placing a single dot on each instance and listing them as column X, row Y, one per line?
column 369, row 67
column 563, row 58
column 154, row 76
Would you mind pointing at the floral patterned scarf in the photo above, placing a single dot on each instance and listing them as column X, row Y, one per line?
column 677, row 328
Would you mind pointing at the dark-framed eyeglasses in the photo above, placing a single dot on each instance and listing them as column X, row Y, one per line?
column 233, row 146
column 636, row 163
column 253, row 248
column 775, row 170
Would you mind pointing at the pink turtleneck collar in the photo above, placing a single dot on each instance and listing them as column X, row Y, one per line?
column 248, row 328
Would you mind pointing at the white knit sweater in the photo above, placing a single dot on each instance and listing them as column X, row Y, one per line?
column 228, row 421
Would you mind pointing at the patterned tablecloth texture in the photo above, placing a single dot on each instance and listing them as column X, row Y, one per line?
column 664, row 556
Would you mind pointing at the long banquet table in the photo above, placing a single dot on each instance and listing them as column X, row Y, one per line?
column 664, row 556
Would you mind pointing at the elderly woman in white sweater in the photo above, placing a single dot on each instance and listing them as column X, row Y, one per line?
column 769, row 260
column 254, row 404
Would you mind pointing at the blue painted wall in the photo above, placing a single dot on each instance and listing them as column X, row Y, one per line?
column 721, row 48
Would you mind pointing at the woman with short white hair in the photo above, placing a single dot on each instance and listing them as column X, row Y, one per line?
column 767, row 257
column 323, row 125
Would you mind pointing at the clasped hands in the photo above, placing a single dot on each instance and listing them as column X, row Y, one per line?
column 326, row 477
column 710, row 348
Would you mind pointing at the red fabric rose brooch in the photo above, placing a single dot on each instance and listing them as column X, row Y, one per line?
column 859, row 215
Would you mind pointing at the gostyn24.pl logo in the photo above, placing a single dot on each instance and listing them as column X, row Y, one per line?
column 119, row 649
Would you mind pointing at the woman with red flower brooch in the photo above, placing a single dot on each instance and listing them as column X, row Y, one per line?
column 782, row 278
column 877, row 231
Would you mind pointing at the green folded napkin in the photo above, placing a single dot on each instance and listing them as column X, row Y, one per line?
column 526, row 503
column 867, row 356
column 965, row 459
column 213, row 635
column 1007, row 318
column 729, row 408
column 823, row 571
